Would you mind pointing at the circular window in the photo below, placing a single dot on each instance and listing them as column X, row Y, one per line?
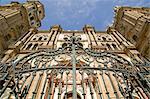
column 64, row 45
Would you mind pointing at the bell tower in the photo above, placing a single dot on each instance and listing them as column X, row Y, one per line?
column 16, row 19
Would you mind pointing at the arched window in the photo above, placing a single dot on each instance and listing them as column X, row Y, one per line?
column 40, row 39
column 65, row 38
column 103, row 44
column 32, row 18
column 114, row 46
column 104, row 39
column 99, row 38
column 29, row 46
column 135, row 37
column 45, row 39
column 8, row 36
column 109, row 48
column 35, row 46
column 91, row 32
column 34, row 38
column 29, row 14
column 109, row 39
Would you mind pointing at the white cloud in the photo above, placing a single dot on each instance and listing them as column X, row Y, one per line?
column 79, row 12
column 73, row 8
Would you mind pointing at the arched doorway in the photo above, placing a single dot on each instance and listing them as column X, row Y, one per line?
column 70, row 96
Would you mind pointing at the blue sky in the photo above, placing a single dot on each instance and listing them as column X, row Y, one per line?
column 74, row 14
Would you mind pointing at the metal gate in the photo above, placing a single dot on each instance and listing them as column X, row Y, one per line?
column 74, row 72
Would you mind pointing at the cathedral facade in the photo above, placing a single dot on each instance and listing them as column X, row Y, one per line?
column 74, row 64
